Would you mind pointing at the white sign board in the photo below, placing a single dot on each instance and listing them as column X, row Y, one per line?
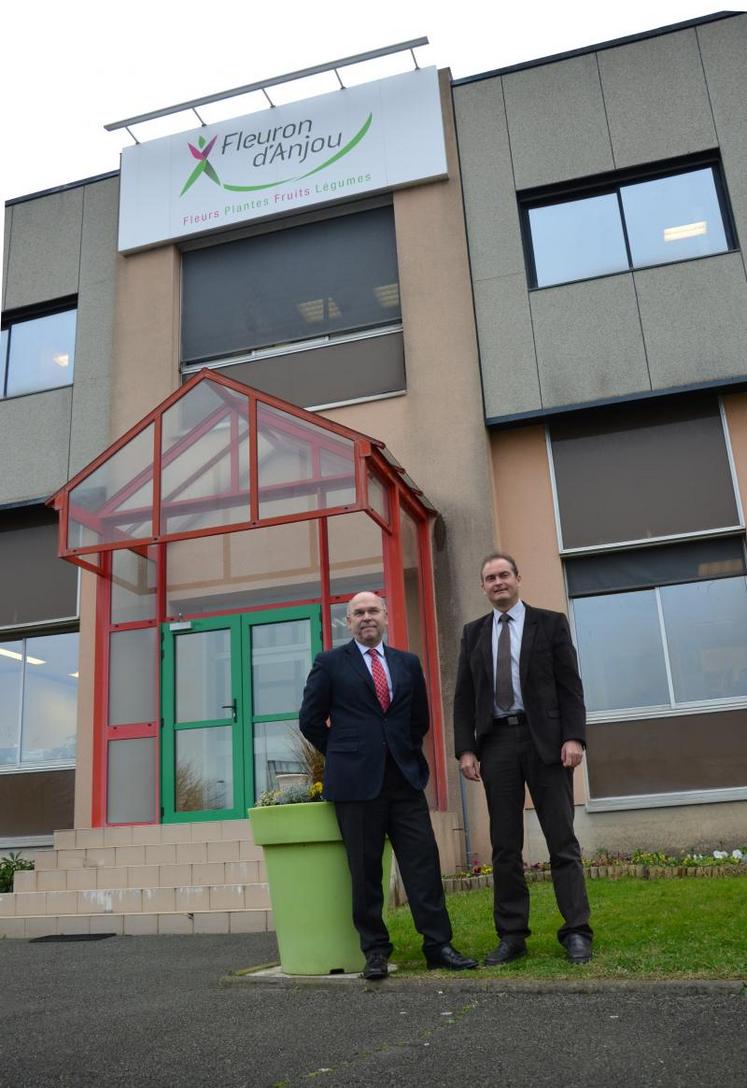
column 363, row 139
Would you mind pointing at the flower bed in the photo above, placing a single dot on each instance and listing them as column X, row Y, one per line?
column 643, row 864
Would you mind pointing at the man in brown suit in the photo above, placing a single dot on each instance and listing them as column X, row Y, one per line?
column 520, row 720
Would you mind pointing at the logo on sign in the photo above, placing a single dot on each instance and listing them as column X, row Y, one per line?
column 296, row 144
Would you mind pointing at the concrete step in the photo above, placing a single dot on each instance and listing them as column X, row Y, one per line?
column 153, row 834
column 109, row 877
column 148, row 900
column 186, row 853
column 138, row 924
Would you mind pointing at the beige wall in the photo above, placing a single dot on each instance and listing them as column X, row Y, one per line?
column 437, row 429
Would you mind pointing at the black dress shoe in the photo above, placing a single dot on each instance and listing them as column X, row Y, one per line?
column 506, row 952
column 376, row 967
column 578, row 948
column 448, row 957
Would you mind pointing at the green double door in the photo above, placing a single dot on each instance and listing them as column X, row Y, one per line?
column 231, row 688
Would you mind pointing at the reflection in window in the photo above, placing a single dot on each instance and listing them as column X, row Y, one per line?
column 203, row 676
column 281, row 659
column 318, row 279
column 697, row 631
column 674, row 218
column 356, row 559
column 670, row 218
column 204, row 769
column 706, row 625
column 38, row 699
column 38, row 353
column 620, row 651
column 577, row 239
column 277, row 750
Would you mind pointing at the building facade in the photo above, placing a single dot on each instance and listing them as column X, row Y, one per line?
column 547, row 332
column 605, row 201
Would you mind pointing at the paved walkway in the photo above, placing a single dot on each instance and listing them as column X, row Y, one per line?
column 152, row 1011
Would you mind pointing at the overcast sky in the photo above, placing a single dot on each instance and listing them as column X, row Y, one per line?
column 69, row 68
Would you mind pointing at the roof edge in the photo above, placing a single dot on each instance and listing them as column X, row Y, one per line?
column 61, row 188
column 553, row 58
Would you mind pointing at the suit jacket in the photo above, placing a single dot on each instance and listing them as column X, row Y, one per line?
column 341, row 688
column 550, row 684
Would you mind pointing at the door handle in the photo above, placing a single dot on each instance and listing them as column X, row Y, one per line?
column 232, row 707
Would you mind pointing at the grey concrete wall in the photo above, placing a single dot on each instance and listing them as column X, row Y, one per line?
column 655, row 329
column 56, row 246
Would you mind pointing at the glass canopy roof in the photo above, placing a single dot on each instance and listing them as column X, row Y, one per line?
column 218, row 456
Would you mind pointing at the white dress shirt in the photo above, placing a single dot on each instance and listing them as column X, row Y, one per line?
column 515, row 630
column 382, row 658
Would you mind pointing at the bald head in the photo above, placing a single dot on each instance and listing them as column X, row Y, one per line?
column 366, row 618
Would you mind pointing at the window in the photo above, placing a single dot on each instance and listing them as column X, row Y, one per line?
column 309, row 313
column 37, row 353
column 35, row 585
column 626, row 224
column 38, row 700
column 638, row 472
column 662, row 627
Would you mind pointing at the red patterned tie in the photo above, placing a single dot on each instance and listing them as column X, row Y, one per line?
column 379, row 679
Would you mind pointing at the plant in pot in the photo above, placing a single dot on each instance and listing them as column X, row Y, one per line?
column 308, row 874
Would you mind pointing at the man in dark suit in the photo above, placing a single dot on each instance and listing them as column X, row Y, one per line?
column 519, row 719
column 375, row 700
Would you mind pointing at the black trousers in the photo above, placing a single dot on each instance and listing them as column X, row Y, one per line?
column 508, row 761
column 400, row 812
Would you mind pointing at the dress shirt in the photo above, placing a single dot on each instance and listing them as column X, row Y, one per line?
column 516, row 630
column 382, row 658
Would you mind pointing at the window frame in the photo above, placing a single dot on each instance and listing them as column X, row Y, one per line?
column 289, row 347
column 638, row 542
column 22, row 635
column 23, row 315
column 609, row 184
column 662, row 710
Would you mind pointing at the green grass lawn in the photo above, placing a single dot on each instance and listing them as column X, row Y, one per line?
column 691, row 928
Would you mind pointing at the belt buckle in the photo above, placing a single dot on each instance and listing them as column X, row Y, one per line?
column 512, row 719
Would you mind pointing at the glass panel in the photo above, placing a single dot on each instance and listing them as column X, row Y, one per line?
column 671, row 219
column 288, row 285
column 636, row 472
column 281, row 659
column 42, row 353
column 11, row 678
column 577, row 239
column 276, row 751
column 50, row 698
column 356, row 559
column 203, row 676
column 115, row 502
column 378, row 499
column 34, row 584
column 133, row 586
column 706, row 625
column 133, row 663
column 413, row 599
column 620, row 651
column 666, row 564
column 301, row 467
column 272, row 565
column 328, row 373
column 4, row 337
column 131, row 796
column 204, row 769
column 205, row 460
column 340, row 632
column 415, row 621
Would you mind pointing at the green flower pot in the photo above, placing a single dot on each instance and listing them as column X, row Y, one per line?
column 310, row 889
